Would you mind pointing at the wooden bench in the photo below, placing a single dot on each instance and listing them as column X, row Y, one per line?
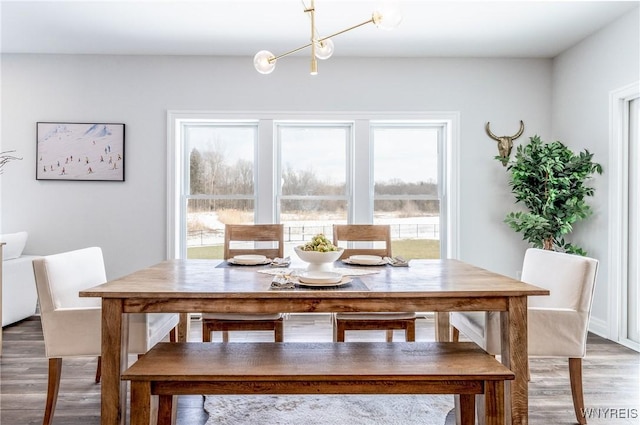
column 317, row 368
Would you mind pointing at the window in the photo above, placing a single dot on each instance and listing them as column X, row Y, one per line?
column 310, row 171
column 405, row 186
column 219, row 185
column 313, row 175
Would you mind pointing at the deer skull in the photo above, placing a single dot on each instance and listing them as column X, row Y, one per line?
column 505, row 143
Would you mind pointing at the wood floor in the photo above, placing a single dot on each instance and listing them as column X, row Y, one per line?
column 611, row 377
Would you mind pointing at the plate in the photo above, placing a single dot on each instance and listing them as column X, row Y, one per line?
column 249, row 260
column 343, row 281
column 320, row 277
column 366, row 260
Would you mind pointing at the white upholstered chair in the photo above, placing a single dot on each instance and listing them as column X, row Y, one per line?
column 369, row 233
column 225, row 322
column 557, row 324
column 72, row 325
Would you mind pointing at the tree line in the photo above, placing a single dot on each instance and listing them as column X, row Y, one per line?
column 210, row 174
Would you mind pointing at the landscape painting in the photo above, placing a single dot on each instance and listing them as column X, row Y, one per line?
column 80, row 151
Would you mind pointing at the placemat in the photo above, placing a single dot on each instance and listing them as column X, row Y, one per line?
column 225, row 265
column 345, row 271
column 355, row 285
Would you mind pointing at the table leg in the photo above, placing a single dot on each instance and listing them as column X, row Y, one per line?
column 467, row 409
column 115, row 340
column 140, row 406
column 515, row 356
column 494, row 403
column 443, row 333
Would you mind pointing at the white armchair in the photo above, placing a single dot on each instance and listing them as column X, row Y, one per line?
column 72, row 325
column 557, row 324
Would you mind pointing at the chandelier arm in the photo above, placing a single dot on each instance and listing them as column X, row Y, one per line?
column 345, row 30
column 274, row 58
column 320, row 40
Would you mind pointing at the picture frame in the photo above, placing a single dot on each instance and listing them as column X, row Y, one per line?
column 80, row 151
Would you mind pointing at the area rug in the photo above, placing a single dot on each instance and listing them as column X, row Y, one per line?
column 328, row 410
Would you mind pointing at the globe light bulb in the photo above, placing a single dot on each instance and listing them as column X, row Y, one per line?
column 262, row 63
column 388, row 16
column 324, row 49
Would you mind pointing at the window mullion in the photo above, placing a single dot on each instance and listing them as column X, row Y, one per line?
column 361, row 193
column 265, row 172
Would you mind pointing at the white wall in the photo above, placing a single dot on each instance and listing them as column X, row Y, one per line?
column 583, row 76
column 128, row 219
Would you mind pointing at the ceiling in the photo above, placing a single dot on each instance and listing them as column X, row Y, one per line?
column 243, row 27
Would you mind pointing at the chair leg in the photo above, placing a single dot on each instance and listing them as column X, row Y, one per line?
column 99, row 370
column 455, row 334
column 206, row 332
column 389, row 335
column 575, row 376
column 279, row 331
column 173, row 335
column 55, row 371
column 410, row 332
column 338, row 331
column 225, row 336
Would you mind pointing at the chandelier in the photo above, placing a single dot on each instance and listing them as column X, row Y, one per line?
column 386, row 18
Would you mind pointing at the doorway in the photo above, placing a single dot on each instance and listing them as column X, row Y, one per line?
column 624, row 212
column 632, row 332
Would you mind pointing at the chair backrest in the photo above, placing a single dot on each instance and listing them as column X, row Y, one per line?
column 60, row 277
column 70, row 324
column 569, row 278
column 254, row 233
column 364, row 233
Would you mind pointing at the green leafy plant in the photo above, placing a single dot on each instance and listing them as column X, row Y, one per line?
column 551, row 181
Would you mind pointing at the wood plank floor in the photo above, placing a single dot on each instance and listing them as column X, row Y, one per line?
column 611, row 377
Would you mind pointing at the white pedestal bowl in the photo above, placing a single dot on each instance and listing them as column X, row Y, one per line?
column 318, row 261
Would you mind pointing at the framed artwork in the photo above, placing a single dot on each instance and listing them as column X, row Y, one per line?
column 80, row 151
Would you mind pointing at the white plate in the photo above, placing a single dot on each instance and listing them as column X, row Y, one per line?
column 320, row 277
column 248, row 259
column 343, row 281
column 368, row 260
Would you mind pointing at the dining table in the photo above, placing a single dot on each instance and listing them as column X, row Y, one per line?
column 213, row 286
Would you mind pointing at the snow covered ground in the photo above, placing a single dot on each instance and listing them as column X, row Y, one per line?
column 297, row 231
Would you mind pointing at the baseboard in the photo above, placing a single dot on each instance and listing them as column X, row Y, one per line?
column 599, row 327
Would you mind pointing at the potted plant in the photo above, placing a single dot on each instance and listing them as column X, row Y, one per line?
column 551, row 182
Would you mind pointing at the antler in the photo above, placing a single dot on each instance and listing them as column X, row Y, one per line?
column 493, row 136
column 497, row 139
column 519, row 133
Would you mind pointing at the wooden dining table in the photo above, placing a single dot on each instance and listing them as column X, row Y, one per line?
column 209, row 286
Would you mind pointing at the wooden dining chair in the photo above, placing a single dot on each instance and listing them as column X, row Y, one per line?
column 255, row 235
column 361, row 240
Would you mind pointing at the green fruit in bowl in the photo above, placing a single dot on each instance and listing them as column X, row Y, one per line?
column 319, row 243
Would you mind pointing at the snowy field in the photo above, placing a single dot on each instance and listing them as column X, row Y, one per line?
column 80, row 151
column 401, row 228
